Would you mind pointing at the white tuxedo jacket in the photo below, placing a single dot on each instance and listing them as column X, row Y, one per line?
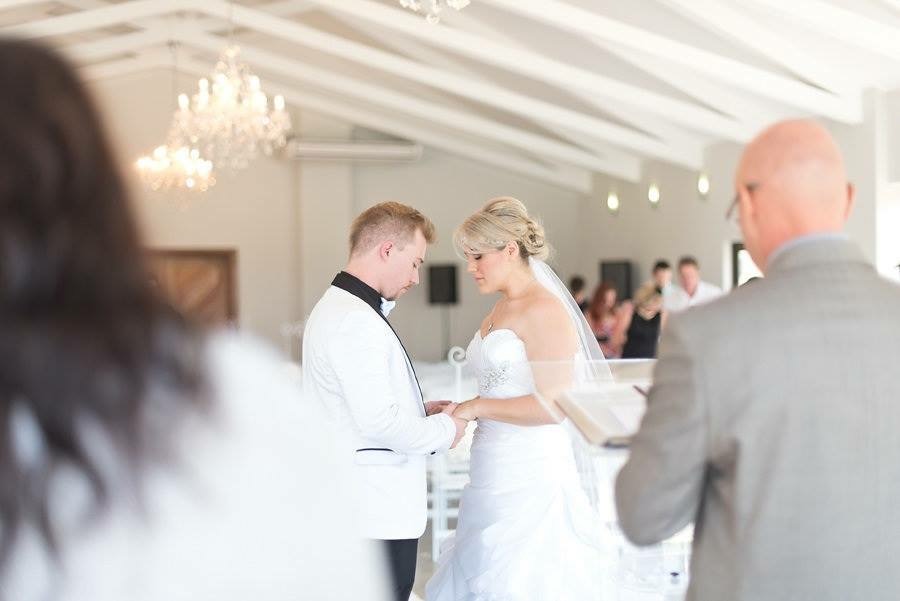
column 354, row 364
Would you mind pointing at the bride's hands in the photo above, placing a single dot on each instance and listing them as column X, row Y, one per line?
column 466, row 410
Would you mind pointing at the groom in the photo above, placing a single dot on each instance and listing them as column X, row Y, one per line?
column 357, row 367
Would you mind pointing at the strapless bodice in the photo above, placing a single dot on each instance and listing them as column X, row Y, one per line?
column 501, row 366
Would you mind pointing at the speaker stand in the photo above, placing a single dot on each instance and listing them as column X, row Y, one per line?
column 445, row 322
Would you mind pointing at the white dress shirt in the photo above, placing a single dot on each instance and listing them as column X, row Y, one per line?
column 255, row 504
column 679, row 299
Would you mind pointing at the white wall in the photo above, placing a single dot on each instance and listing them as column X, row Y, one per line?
column 891, row 131
column 888, row 190
column 858, row 144
column 682, row 222
column 325, row 202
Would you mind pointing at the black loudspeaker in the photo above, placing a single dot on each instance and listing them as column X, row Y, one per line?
column 619, row 273
column 442, row 285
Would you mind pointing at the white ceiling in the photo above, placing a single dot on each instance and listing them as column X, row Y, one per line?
column 556, row 89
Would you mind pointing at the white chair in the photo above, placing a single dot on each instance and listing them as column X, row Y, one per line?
column 448, row 473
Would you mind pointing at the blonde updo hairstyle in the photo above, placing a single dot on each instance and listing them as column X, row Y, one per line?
column 500, row 221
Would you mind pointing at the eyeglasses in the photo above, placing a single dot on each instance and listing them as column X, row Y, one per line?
column 751, row 188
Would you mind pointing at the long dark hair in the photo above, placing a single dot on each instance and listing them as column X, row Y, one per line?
column 84, row 338
column 598, row 310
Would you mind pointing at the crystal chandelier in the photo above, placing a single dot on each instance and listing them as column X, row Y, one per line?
column 174, row 166
column 433, row 8
column 229, row 119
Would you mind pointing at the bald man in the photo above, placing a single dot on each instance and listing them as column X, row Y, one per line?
column 774, row 420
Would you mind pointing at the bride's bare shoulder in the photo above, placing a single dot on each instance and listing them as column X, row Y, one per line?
column 546, row 329
column 544, row 311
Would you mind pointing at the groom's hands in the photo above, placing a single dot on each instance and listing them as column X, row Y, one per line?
column 433, row 407
column 460, row 420
column 448, row 407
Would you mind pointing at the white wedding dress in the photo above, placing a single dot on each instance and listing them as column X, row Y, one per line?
column 525, row 530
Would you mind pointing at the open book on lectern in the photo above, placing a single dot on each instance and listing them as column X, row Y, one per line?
column 608, row 411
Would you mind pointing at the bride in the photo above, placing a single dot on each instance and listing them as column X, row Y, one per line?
column 525, row 529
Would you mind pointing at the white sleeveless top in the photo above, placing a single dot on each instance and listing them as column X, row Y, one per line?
column 259, row 507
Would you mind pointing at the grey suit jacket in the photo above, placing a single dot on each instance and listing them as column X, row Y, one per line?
column 774, row 425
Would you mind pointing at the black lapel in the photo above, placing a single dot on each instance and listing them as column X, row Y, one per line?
column 371, row 297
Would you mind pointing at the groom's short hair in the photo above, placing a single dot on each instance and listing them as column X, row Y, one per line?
column 386, row 221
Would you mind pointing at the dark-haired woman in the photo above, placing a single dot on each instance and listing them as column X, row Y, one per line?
column 141, row 458
column 601, row 316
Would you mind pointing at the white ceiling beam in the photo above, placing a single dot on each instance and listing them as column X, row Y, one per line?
column 621, row 167
column 727, row 100
column 734, row 25
column 412, row 48
column 408, row 105
column 288, row 8
column 841, row 24
column 627, row 165
column 571, row 178
column 600, row 148
column 542, row 68
column 615, row 162
column 284, row 8
column 673, row 136
column 607, row 32
column 156, row 29
column 483, row 92
column 5, row 4
column 125, row 66
column 112, row 45
column 677, row 139
column 361, row 53
column 93, row 19
column 579, row 181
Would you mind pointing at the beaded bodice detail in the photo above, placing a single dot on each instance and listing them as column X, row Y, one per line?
column 500, row 364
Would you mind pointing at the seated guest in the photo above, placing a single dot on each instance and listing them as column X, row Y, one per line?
column 577, row 287
column 601, row 316
column 779, row 446
column 640, row 322
column 693, row 290
column 142, row 458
